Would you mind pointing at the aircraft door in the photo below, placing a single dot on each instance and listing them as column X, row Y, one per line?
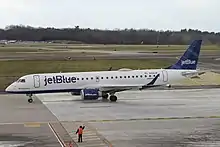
column 165, row 76
column 36, row 81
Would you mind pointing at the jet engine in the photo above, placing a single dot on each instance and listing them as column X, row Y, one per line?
column 90, row 94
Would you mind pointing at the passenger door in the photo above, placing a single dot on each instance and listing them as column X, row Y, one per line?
column 36, row 81
column 165, row 76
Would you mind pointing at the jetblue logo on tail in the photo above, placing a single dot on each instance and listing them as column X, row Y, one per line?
column 188, row 62
column 190, row 57
column 59, row 80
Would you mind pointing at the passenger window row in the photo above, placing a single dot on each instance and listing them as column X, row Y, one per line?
column 118, row 77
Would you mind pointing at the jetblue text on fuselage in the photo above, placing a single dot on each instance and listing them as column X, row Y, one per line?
column 58, row 80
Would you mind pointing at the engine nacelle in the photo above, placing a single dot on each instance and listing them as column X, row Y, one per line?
column 90, row 94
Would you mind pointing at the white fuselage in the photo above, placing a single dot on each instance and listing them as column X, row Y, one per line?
column 67, row 82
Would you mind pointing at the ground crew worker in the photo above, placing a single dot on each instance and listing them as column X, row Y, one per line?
column 80, row 132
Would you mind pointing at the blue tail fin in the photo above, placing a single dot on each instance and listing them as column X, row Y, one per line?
column 190, row 57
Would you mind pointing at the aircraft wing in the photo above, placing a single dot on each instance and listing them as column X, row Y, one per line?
column 195, row 74
column 118, row 88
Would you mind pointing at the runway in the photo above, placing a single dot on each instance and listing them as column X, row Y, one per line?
column 154, row 118
column 98, row 54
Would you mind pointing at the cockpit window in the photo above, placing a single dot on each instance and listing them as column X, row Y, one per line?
column 21, row 81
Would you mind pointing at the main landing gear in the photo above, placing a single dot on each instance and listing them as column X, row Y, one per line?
column 112, row 97
column 30, row 100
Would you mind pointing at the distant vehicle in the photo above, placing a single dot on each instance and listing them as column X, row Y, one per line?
column 11, row 41
column 92, row 85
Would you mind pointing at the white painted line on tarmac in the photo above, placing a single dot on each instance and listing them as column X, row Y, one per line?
column 56, row 135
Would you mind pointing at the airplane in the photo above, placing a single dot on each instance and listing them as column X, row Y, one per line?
column 96, row 84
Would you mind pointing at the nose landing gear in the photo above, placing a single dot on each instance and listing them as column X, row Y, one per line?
column 30, row 100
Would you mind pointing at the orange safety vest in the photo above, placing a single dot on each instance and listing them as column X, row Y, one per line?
column 80, row 131
column 70, row 145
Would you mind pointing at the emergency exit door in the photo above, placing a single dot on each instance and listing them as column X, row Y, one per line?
column 165, row 76
column 36, row 81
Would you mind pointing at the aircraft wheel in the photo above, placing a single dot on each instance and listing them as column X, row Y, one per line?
column 30, row 100
column 113, row 98
column 169, row 85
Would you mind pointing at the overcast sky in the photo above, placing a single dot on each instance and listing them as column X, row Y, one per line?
column 111, row 14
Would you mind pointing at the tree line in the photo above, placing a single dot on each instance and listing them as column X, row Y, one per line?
column 97, row 36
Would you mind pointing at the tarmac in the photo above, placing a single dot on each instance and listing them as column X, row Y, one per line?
column 19, row 123
column 147, row 118
column 154, row 118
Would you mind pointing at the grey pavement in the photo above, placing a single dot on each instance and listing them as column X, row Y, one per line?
column 136, row 104
column 124, row 124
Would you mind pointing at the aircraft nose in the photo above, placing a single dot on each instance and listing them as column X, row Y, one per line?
column 10, row 88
